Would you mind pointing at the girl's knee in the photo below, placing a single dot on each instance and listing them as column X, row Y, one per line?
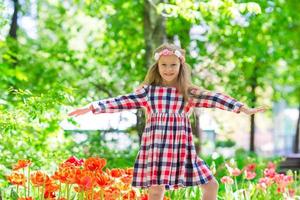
column 156, row 192
column 211, row 185
column 157, row 188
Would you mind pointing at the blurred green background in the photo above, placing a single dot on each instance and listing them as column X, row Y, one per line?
column 59, row 55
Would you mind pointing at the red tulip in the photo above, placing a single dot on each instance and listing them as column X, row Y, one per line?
column 250, row 167
column 75, row 161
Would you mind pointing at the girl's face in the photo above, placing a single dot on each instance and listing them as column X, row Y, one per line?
column 168, row 67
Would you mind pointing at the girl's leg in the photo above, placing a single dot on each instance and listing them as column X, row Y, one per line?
column 157, row 192
column 210, row 190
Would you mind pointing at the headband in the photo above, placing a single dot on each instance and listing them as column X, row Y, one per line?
column 167, row 52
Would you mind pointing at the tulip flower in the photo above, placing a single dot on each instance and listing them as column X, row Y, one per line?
column 21, row 164
column 227, row 180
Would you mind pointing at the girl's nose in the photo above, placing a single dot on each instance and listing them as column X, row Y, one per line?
column 169, row 67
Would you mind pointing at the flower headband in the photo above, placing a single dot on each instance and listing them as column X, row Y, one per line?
column 167, row 52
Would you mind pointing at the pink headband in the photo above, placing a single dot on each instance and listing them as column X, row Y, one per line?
column 167, row 52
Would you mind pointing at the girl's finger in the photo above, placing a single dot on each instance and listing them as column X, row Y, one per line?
column 70, row 114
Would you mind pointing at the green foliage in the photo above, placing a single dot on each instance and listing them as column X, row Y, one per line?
column 92, row 50
column 225, row 143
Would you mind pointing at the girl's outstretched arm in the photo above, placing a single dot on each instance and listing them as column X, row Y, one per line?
column 209, row 99
column 135, row 100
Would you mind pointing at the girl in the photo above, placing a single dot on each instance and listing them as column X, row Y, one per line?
column 167, row 158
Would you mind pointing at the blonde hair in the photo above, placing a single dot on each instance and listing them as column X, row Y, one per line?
column 184, row 83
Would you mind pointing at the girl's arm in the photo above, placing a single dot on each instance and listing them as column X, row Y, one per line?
column 209, row 99
column 133, row 100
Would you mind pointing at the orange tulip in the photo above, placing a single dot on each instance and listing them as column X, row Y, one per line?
column 94, row 164
column 116, row 173
column 39, row 178
column 85, row 183
column 112, row 193
column 67, row 174
column 51, row 186
column 126, row 179
column 25, row 198
column 129, row 171
column 130, row 195
column 103, row 179
column 21, row 164
column 17, row 179
column 61, row 176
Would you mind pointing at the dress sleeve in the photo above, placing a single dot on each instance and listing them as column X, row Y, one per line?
column 209, row 99
column 135, row 100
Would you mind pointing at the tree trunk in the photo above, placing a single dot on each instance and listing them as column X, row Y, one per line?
column 253, row 102
column 197, row 132
column 154, row 35
column 252, row 133
column 296, row 140
column 154, row 29
column 14, row 21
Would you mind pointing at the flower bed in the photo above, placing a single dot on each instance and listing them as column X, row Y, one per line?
column 80, row 179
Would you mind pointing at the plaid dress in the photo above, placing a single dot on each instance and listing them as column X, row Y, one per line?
column 167, row 154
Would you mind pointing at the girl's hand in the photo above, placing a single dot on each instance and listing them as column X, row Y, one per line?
column 79, row 111
column 196, row 91
column 251, row 111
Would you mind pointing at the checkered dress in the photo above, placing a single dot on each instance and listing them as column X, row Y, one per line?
column 167, row 154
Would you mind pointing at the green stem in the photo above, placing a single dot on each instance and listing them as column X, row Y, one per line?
column 28, row 181
column 92, row 193
column 67, row 191
column 43, row 189
column 24, row 184
column 42, row 192
column 101, row 192
column 59, row 190
column 236, row 186
column 81, row 195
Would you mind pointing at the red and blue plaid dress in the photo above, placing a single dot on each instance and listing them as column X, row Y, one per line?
column 167, row 154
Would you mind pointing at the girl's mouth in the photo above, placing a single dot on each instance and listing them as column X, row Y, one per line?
column 169, row 74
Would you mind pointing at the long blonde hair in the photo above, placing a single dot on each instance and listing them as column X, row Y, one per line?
column 184, row 77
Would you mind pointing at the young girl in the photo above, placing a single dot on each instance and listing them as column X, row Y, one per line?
column 167, row 158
